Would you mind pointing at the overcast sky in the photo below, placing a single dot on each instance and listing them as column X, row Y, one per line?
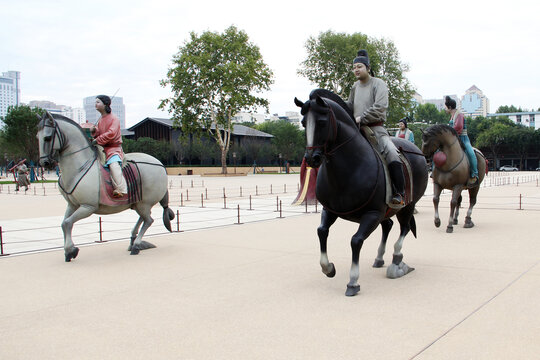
column 67, row 50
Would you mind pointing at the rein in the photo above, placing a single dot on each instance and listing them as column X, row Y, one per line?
column 324, row 146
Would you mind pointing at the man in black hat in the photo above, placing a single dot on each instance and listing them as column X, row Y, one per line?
column 369, row 100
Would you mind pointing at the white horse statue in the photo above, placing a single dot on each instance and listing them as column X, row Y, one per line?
column 86, row 185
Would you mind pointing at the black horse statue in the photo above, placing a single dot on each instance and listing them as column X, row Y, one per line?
column 351, row 182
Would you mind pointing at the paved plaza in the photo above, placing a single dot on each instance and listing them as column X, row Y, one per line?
column 223, row 290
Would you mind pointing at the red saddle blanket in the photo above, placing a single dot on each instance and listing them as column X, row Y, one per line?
column 133, row 181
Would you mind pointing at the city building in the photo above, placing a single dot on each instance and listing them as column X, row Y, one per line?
column 474, row 103
column 10, row 91
column 525, row 118
column 76, row 114
column 117, row 106
column 439, row 103
column 247, row 117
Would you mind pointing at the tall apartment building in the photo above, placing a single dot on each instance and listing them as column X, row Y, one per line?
column 474, row 103
column 117, row 106
column 10, row 91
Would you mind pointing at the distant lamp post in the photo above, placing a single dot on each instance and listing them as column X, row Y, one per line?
column 234, row 157
column 280, row 162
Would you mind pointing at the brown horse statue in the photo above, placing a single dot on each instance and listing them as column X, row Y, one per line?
column 451, row 171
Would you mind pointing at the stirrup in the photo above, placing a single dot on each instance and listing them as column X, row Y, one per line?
column 472, row 182
column 397, row 199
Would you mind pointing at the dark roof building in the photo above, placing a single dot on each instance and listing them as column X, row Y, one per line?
column 162, row 129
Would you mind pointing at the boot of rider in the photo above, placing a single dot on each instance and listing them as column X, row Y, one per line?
column 118, row 181
column 398, row 182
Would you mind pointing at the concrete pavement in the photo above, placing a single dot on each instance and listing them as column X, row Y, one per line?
column 255, row 291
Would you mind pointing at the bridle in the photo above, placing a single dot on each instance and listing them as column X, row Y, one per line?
column 331, row 138
column 55, row 134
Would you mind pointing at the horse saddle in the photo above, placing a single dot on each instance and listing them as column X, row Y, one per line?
column 132, row 176
column 407, row 172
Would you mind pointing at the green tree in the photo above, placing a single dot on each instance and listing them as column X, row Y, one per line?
column 508, row 109
column 493, row 138
column 429, row 114
column 329, row 66
column 213, row 77
column 521, row 139
column 19, row 132
column 289, row 140
column 159, row 149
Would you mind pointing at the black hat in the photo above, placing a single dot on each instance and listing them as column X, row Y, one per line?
column 404, row 120
column 362, row 58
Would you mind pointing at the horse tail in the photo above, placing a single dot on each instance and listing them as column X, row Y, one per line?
column 168, row 214
column 412, row 225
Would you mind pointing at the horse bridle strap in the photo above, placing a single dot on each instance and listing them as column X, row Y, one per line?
column 333, row 123
column 61, row 139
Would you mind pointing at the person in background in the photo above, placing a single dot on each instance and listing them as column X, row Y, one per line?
column 457, row 121
column 369, row 100
column 404, row 131
column 22, row 176
column 107, row 134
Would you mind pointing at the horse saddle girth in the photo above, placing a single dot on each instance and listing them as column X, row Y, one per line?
column 132, row 176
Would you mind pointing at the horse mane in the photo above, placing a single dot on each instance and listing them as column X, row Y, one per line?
column 439, row 129
column 332, row 96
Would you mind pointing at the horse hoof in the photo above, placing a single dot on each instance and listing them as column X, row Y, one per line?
column 396, row 271
column 352, row 290
column 437, row 222
column 449, row 229
column 378, row 263
column 332, row 272
column 72, row 254
column 468, row 225
column 135, row 250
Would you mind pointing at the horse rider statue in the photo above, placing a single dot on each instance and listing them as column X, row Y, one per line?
column 107, row 134
column 369, row 100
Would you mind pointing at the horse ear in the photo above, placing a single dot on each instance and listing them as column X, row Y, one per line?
column 320, row 101
column 49, row 116
column 298, row 102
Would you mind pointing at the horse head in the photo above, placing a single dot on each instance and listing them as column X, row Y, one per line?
column 50, row 139
column 320, row 124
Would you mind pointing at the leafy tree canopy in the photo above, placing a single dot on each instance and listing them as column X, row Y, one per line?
column 18, row 136
column 329, row 66
column 213, row 77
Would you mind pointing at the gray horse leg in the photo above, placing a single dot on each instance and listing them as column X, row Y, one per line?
column 327, row 220
column 368, row 223
column 138, row 244
column 134, row 232
column 436, row 196
column 398, row 268
column 386, row 226
column 71, row 216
